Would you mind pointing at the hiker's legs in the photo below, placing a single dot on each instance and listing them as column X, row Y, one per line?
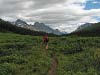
column 47, row 46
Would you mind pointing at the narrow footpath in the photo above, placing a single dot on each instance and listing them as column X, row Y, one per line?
column 53, row 67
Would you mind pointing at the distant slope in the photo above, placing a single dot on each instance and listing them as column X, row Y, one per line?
column 8, row 27
column 84, row 26
column 41, row 27
column 91, row 30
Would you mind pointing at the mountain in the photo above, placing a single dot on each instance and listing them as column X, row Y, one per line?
column 42, row 27
column 9, row 27
column 88, row 29
column 37, row 27
column 84, row 26
column 20, row 22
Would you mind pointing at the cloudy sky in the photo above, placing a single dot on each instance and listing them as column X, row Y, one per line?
column 66, row 15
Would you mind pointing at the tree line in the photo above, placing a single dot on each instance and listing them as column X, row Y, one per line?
column 6, row 26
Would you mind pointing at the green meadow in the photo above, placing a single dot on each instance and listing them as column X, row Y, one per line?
column 26, row 55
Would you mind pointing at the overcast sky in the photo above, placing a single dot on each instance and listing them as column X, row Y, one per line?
column 66, row 15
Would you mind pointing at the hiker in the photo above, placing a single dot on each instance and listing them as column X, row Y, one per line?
column 45, row 40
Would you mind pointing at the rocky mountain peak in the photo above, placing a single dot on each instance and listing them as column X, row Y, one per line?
column 20, row 22
column 37, row 27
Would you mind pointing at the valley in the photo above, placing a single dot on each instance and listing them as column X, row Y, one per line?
column 24, row 55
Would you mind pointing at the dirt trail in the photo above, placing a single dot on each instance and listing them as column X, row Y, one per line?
column 53, row 67
column 54, row 63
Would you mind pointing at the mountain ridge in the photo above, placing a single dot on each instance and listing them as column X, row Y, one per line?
column 90, row 29
column 8, row 27
column 37, row 27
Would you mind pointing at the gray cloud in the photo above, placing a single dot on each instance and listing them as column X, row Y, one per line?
column 62, row 14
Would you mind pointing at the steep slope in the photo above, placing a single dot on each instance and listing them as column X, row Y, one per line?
column 88, row 30
column 37, row 27
column 84, row 26
column 20, row 22
column 8, row 27
column 42, row 27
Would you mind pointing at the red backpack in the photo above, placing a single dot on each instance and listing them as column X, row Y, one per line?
column 45, row 38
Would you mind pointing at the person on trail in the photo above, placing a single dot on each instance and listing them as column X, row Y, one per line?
column 45, row 40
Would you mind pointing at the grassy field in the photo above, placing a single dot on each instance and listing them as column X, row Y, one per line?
column 25, row 55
